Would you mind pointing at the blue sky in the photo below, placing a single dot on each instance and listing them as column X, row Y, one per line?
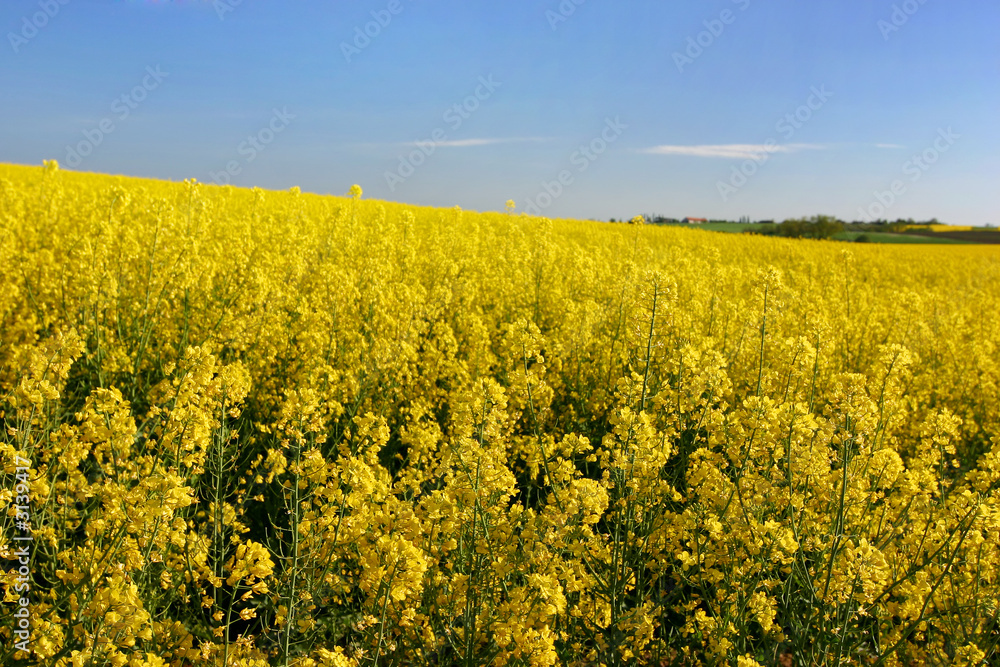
column 579, row 108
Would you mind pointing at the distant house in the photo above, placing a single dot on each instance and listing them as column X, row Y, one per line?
column 694, row 221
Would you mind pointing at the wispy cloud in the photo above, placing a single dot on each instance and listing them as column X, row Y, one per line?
column 731, row 151
column 889, row 146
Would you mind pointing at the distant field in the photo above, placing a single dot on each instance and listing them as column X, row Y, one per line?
column 911, row 236
column 963, row 236
column 937, row 228
column 886, row 237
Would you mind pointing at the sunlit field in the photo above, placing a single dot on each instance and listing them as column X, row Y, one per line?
column 246, row 427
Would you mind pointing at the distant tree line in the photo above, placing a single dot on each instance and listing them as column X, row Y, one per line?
column 816, row 227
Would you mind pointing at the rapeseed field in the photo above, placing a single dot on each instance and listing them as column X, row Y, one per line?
column 260, row 428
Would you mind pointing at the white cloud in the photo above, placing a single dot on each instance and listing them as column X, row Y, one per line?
column 889, row 146
column 731, row 151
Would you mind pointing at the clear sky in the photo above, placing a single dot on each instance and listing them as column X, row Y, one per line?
column 583, row 108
